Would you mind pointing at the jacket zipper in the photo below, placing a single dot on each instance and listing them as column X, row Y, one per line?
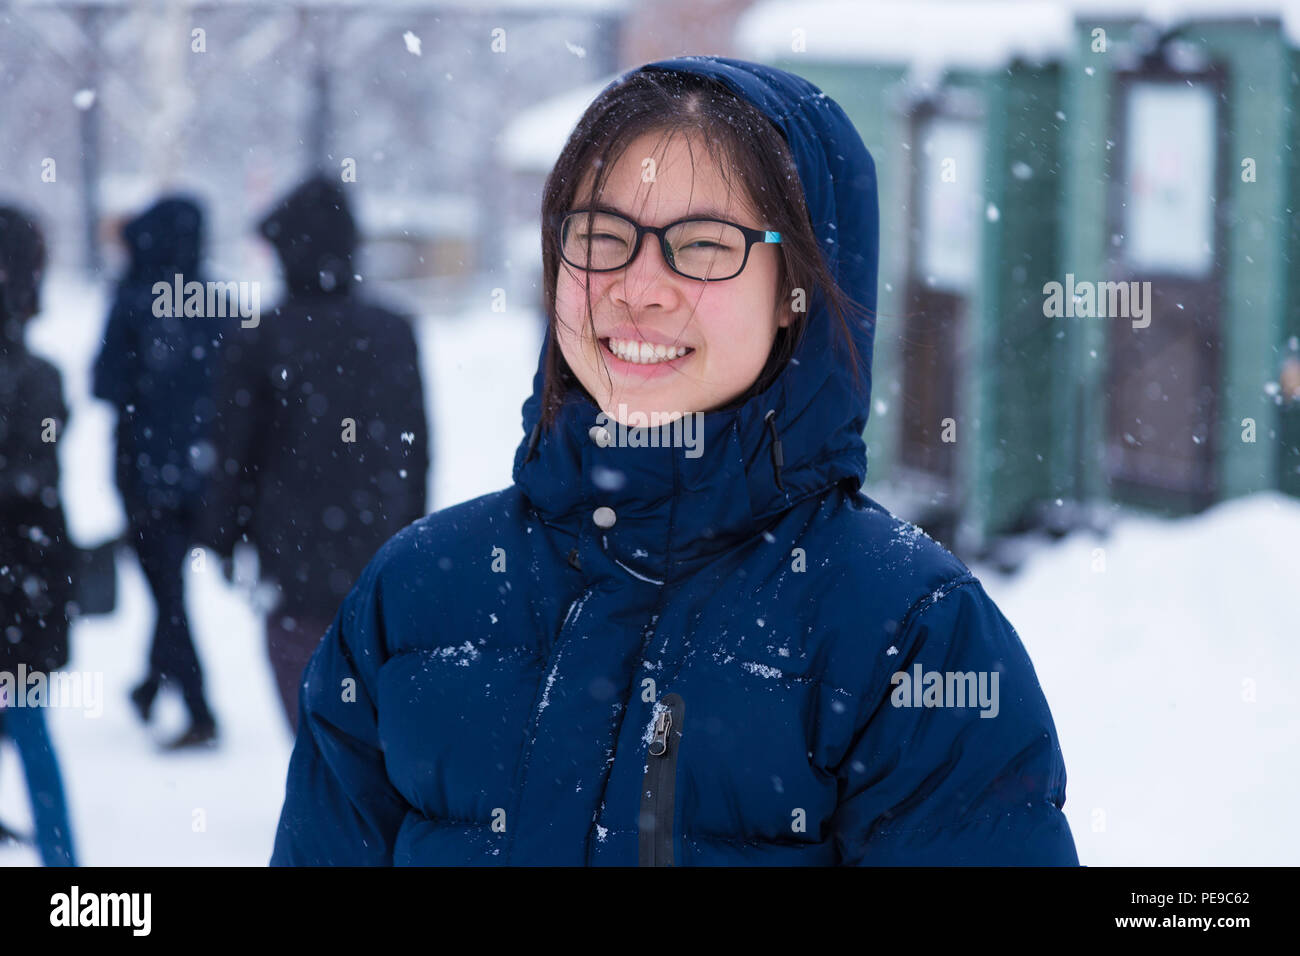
column 658, row 789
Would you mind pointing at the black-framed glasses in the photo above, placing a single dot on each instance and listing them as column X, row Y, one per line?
column 710, row 250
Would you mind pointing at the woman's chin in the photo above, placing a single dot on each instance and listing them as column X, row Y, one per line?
column 640, row 414
column 664, row 401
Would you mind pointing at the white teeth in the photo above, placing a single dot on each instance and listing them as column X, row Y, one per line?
column 643, row 353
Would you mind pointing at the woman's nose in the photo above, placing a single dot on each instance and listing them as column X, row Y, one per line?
column 647, row 279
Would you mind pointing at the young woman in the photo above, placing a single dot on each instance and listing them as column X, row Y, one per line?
column 694, row 643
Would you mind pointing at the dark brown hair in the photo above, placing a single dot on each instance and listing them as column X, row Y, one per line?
column 745, row 145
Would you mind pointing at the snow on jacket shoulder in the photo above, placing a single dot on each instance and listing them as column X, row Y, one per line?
column 744, row 668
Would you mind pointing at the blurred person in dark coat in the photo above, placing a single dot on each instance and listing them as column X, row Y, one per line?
column 322, row 443
column 157, row 371
column 36, row 557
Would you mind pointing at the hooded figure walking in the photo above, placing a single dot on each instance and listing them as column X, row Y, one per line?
column 322, row 444
column 156, row 368
column 36, row 556
column 690, row 644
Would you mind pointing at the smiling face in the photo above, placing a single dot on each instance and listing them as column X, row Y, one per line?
column 645, row 316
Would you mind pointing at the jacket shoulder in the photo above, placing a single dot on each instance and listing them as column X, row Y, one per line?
column 42, row 386
column 43, row 369
column 444, row 539
column 890, row 554
column 871, row 576
column 383, row 311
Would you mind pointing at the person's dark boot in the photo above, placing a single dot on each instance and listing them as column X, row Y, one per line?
column 142, row 698
column 200, row 734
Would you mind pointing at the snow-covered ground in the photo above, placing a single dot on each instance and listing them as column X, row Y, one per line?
column 1169, row 657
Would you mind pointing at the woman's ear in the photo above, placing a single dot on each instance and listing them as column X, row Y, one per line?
column 784, row 314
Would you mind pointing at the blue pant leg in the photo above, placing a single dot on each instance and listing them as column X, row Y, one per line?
column 26, row 728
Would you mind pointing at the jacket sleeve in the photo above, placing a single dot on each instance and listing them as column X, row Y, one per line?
column 31, row 464
column 340, row 808
column 115, row 371
column 927, row 783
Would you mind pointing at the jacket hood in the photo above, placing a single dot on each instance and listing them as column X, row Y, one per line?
column 315, row 236
column 670, row 507
column 165, row 239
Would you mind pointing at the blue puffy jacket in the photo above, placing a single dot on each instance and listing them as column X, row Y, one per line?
column 711, row 679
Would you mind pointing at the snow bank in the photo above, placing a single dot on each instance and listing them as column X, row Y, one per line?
column 1170, row 659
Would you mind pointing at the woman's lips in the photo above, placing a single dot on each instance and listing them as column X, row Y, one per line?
column 643, row 369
